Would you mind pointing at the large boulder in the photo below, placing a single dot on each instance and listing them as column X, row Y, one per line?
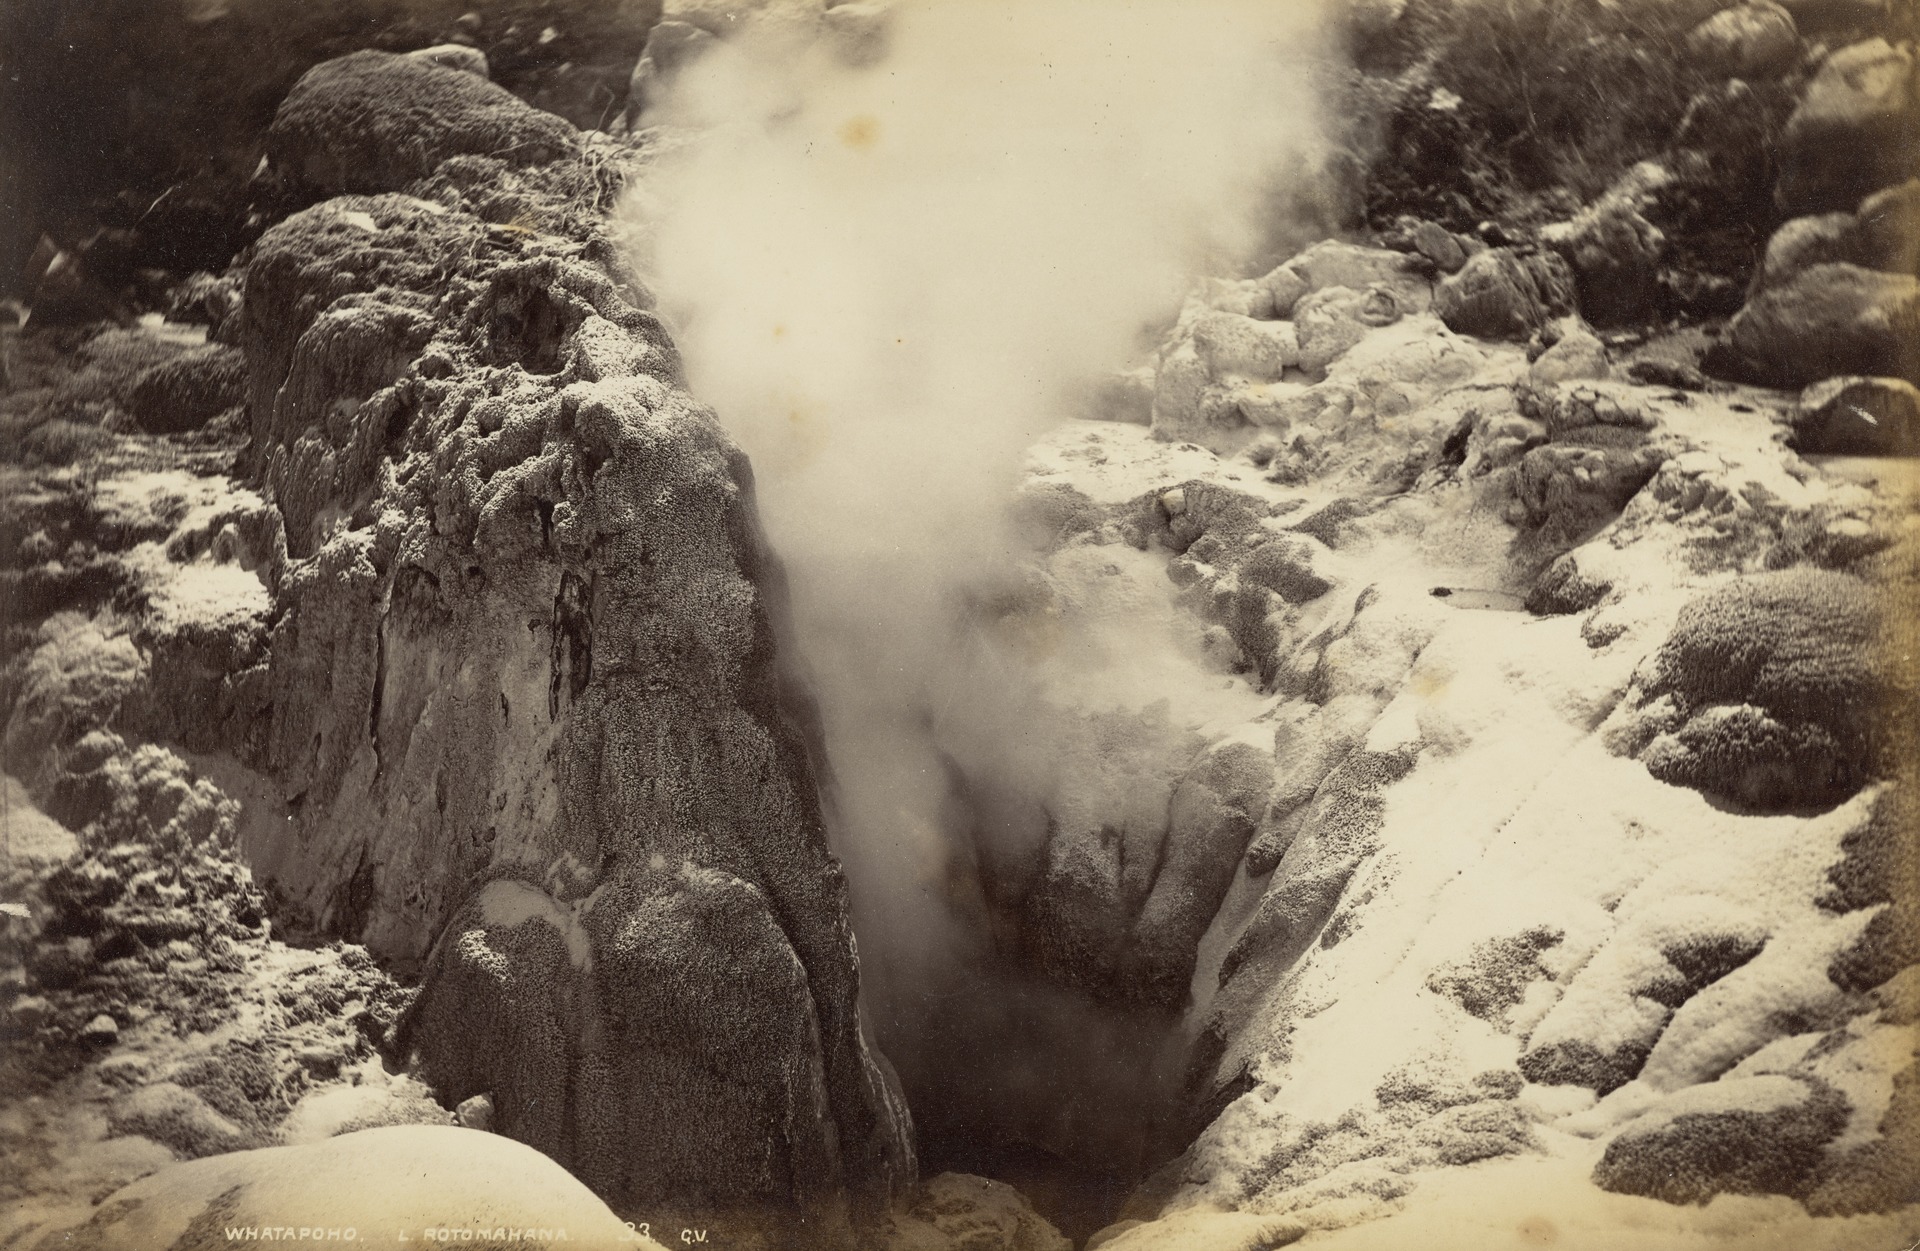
column 1857, row 130
column 1858, row 417
column 1615, row 255
column 1499, row 294
column 1746, row 41
column 426, row 1183
column 1884, row 235
column 1829, row 319
column 186, row 392
column 1803, row 242
column 376, row 121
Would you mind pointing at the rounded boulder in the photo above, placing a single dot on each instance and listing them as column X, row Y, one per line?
column 376, row 121
column 416, row 1179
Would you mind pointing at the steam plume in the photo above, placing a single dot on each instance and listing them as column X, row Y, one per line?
column 889, row 278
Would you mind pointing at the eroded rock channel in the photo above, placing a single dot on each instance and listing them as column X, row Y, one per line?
column 1409, row 737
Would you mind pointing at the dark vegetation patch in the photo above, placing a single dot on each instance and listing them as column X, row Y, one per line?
column 1495, row 975
column 1699, row 1155
column 1785, row 692
column 1498, row 110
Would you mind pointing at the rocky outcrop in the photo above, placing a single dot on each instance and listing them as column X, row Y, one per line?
column 1833, row 293
column 1502, row 295
column 486, row 673
column 1615, row 255
column 1679, row 979
column 525, row 572
column 1245, row 356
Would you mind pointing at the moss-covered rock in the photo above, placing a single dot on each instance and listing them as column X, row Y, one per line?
column 1778, row 692
column 375, row 121
column 1756, row 1135
column 186, row 392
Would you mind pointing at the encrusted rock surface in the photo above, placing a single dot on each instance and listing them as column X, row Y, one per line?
column 520, row 554
column 1671, row 757
column 498, row 624
column 1508, row 772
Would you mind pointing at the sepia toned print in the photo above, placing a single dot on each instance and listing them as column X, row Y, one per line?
column 960, row 625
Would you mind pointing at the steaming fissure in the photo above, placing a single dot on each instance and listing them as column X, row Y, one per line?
column 890, row 278
column 1328, row 587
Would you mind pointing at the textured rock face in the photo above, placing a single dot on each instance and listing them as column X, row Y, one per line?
column 516, row 720
column 483, row 673
column 527, row 636
column 375, row 121
column 671, row 998
column 1593, row 830
column 1774, row 691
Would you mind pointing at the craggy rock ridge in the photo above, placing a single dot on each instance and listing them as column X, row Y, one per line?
column 1540, row 789
column 484, row 674
column 1553, row 710
column 519, row 553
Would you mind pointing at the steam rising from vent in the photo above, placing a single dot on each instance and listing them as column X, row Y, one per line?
column 891, row 278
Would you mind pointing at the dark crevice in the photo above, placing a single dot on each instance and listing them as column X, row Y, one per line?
column 572, row 659
column 379, row 693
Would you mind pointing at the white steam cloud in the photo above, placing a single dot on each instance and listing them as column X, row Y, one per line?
column 890, row 278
